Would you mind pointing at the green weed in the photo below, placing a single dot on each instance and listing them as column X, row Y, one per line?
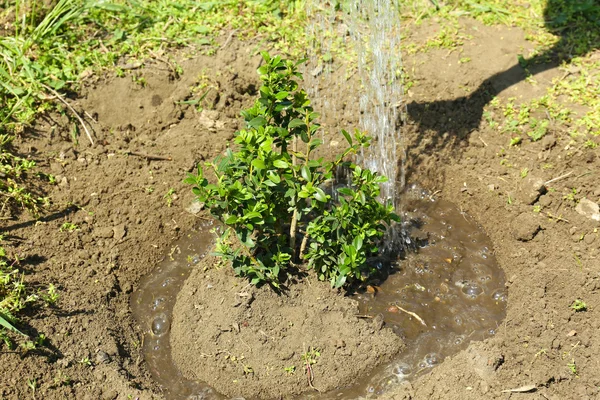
column 579, row 305
column 15, row 296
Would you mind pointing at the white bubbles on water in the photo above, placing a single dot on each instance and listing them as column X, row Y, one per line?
column 158, row 303
column 433, row 359
column 472, row 290
column 402, row 370
column 500, row 296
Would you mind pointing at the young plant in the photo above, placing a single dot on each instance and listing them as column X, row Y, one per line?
column 270, row 189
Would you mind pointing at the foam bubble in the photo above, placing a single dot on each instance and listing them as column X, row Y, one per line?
column 160, row 324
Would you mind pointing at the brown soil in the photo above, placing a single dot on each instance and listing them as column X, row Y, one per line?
column 125, row 224
column 240, row 339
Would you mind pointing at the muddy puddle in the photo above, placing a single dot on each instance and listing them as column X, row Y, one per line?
column 446, row 291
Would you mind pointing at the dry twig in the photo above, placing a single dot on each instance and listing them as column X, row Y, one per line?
column 412, row 314
column 59, row 97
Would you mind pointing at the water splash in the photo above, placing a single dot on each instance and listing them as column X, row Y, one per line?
column 375, row 28
column 367, row 32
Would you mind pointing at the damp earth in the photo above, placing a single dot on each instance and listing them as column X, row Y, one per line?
column 445, row 291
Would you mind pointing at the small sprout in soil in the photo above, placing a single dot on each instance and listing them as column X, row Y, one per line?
column 170, row 196
column 590, row 144
column 52, row 296
column 579, row 305
column 248, row 370
column 524, row 172
column 68, row 227
column 571, row 196
column 32, row 384
column 290, row 370
column 515, row 141
column 572, row 367
column 310, row 357
column 537, row 208
column 150, row 189
column 85, row 361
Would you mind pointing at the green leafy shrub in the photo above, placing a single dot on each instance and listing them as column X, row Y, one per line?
column 270, row 190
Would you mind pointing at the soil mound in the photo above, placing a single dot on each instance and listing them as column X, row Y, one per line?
column 249, row 341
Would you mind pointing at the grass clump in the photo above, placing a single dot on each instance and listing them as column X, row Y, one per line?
column 14, row 298
column 270, row 191
column 45, row 53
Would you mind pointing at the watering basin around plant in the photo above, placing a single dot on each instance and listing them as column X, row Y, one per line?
column 445, row 291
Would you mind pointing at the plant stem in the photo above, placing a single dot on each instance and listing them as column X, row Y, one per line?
column 294, row 222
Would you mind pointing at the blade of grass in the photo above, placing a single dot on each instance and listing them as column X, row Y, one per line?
column 4, row 323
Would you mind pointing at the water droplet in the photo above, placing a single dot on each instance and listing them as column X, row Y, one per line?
column 500, row 295
column 160, row 324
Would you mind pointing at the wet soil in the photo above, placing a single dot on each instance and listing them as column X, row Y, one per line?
column 126, row 221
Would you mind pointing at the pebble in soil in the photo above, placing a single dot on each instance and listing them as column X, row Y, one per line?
column 445, row 291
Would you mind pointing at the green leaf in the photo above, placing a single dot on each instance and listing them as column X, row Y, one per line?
column 273, row 177
column 281, row 95
column 253, row 215
column 320, row 195
column 339, row 282
column 257, row 122
column 232, row 219
column 305, row 172
column 258, row 163
column 280, row 164
column 9, row 326
column 296, row 123
column 347, row 136
column 345, row 191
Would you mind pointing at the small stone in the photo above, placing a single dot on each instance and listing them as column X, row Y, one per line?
column 588, row 209
column 378, row 322
column 548, row 142
column 110, row 395
column 340, row 344
column 195, row 207
column 531, row 190
column 119, row 231
column 105, row 232
column 589, row 239
column 491, row 187
column 525, row 226
column 102, row 357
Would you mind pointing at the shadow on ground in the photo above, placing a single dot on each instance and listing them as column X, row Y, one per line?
column 448, row 123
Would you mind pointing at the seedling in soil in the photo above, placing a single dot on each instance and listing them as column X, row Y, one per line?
column 571, row 196
column 85, row 361
column 309, row 359
column 170, row 196
column 68, row 227
column 290, row 370
column 579, row 305
column 32, row 384
column 572, row 367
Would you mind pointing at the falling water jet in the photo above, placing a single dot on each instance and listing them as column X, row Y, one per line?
column 375, row 30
